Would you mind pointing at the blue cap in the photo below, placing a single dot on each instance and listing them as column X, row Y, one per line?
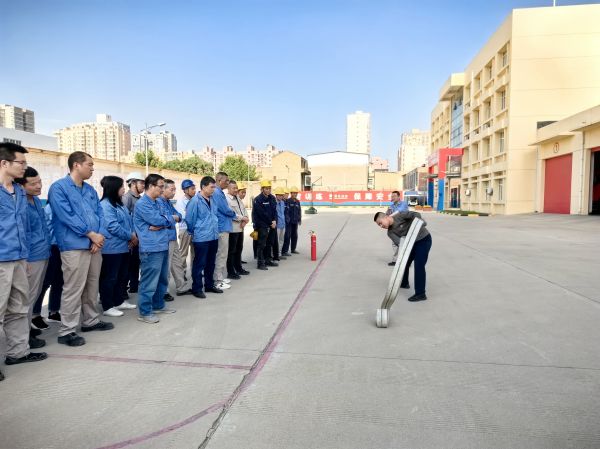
column 187, row 183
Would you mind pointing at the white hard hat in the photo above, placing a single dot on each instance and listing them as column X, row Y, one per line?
column 135, row 176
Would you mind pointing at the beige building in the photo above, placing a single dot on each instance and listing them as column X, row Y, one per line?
column 14, row 117
column 414, row 148
column 163, row 144
column 541, row 65
column 358, row 132
column 339, row 170
column 568, row 165
column 252, row 156
column 102, row 139
column 388, row 180
column 287, row 170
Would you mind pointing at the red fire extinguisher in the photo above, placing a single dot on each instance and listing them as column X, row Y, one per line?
column 313, row 245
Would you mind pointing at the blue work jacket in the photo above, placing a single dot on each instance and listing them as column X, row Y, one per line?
column 168, row 209
column 48, row 212
column 76, row 211
column 147, row 212
column 224, row 213
column 14, row 225
column 281, row 213
column 400, row 206
column 117, row 228
column 294, row 211
column 264, row 211
column 38, row 236
column 201, row 219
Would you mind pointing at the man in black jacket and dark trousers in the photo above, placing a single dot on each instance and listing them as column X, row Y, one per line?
column 264, row 217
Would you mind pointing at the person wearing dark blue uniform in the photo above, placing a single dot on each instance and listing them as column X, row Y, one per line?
column 395, row 208
column 264, row 219
column 14, row 250
column 294, row 219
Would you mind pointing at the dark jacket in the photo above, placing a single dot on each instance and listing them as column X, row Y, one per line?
column 401, row 225
column 294, row 211
column 264, row 211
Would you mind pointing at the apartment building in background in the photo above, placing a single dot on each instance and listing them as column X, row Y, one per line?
column 252, row 156
column 102, row 139
column 541, row 65
column 163, row 144
column 14, row 117
column 414, row 149
column 358, row 132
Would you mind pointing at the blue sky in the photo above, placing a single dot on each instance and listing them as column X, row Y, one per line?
column 242, row 72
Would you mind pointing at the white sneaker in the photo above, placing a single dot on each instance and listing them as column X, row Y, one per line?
column 112, row 312
column 222, row 285
column 226, row 281
column 126, row 306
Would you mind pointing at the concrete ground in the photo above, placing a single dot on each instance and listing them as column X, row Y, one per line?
column 504, row 354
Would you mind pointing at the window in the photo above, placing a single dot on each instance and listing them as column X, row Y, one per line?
column 501, row 141
column 502, row 100
column 488, row 109
column 504, row 58
column 486, row 147
column 475, row 153
column 500, row 189
column 478, row 83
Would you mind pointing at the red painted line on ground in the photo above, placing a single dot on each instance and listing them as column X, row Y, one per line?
column 98, row 358
column 179, row 425
column 254, row 370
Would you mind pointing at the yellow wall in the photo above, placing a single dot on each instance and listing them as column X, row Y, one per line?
column 388, row 181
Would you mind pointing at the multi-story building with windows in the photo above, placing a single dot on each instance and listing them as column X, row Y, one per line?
column 102, row 139
column 161, row 143
column 14, row 117
column 252, row 156
column 358, row 132
column 540, row 65
column 413, row 151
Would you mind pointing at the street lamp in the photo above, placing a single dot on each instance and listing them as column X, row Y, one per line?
column 146, row 131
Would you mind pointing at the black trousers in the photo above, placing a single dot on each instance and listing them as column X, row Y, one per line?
column 113, row 279
column 263, row 253
column 419, row 255
column 273, row 242
column 290, row 236
column 52, row 280
column 234, row 256
column 134, row 269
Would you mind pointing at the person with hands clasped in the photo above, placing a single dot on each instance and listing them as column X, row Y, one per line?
column 117, row 228
column 77, row 219
column 152, row 226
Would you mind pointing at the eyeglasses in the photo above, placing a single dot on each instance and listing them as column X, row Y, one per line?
column 23, row 163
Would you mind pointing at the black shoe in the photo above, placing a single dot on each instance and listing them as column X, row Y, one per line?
column 31, row 357
column 286, row 254
column 262, row 267
column 187, row 292
column 39, row 323
column 414, row 298
column 36, row 343
column 243, row 261
column 35, row 332
column 404, row 285
column 1, row 376
column 55, row 316
column 271, row 264
column 391, row 264
column 295, row 252
column 199, row 294
column 213, row 290
column 168, row 297
column 133, row 290
column 233, row 276
column 277, row 259
column 99, row 326
column 71, row 339
column 244, row 272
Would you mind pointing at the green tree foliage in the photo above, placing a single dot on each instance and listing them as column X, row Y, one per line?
column 192, row 164
column 153, row 160
column 237, row 168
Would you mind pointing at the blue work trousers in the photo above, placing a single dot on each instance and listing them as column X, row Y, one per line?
column 153, row 282
column 203, row 266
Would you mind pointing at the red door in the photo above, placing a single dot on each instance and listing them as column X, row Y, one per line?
column 557, row 185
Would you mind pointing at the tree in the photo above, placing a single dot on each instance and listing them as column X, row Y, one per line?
column 192, row 164
column 153, row 160
column 237, row 168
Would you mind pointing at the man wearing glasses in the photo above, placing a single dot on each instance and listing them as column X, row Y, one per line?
column 152, row 226
column 14, row 291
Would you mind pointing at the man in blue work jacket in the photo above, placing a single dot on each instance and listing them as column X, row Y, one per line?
column 14, row 250
column 77, row 219
column 395, row 208
column 202, row 222
column 38, row 239
column 225, row 216
column 264, row 219
column 152, row 225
